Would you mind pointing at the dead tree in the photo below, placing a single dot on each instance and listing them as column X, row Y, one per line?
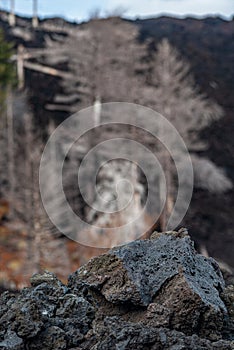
column 35, row 14
column 8, row 156
column 99, row 67
column 95, row 13
column 101, row 72
column 10, row 148
column 24, row 144
column 11, row 18
column 172, row 92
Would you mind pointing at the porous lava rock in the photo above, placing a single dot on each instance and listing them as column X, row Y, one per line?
column 148, row 294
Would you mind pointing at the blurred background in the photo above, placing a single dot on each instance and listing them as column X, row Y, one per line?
column 56, row 58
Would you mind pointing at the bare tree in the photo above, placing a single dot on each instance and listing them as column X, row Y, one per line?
column 10, row 147
column 20, row 182
column 95, row 13
column 47, row 246
column 35, row 14
column 118, row 11
column 177, row 97
column 210, row 177
column 25, row 145
column 172, row 92
column 101, row 72
column 96, row 57
column 12, row 14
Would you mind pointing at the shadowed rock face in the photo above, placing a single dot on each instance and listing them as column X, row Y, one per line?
column 151, row 294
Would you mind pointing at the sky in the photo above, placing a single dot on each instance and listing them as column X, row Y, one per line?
column 79, row 10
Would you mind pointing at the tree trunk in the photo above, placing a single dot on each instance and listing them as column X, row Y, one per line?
column 11, row 18
column 167, row 206
column 35, row 14
column 20, row 67
column 11, row 153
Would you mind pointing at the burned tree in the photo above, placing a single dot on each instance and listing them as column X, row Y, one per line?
column 35, row 14
column 100, row 72
column 11, row 18
column 172, row 92
column 99, row 67
column 7, row 79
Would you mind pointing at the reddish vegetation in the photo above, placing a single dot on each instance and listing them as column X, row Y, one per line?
column 4, row 208
column 12, row 258
column 15, row 267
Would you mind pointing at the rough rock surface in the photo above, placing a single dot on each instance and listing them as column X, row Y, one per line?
column 151, row 294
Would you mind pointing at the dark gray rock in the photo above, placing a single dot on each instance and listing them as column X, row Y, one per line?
column 228, row 297
column 45, row 316
column 11, row 342
column 152, row 294
column 165, row 271
column 116, row 334
column 50, row 339
column 150, row 264
column 76, row 314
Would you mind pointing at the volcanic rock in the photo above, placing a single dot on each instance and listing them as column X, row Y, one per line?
column 148, row 294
